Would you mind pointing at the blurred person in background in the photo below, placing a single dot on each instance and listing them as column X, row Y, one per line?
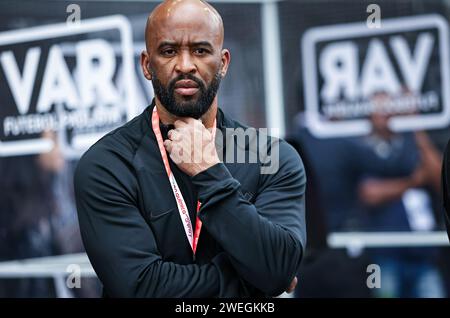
column 342, row 167
column 37, row 217
column 27, row 208
column 339, row 164
column 402, row 203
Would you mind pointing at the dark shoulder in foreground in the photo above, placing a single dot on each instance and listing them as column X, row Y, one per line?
column 446, row 186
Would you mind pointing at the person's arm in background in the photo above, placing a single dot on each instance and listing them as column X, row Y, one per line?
column 431, row 159
column 378, row 191
column 264, row 240
column 374, row 191
column 121, row 246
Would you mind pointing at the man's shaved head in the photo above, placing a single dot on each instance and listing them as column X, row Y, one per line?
column 176, row 9
column 184, row 56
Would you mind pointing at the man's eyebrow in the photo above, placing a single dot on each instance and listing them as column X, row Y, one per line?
column 167, row 43
column 200, row 43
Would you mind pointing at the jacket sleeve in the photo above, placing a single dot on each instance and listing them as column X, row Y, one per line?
column 121, row 246
column 264, row 240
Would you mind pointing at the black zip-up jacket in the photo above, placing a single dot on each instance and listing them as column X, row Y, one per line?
column 253, row 231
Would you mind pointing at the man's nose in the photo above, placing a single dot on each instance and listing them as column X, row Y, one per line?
column 185, row 63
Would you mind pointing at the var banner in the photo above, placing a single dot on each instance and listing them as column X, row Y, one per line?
column 400, row 68
column 76, row 79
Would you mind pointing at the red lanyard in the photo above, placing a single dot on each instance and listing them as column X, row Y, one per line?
column 182, row 209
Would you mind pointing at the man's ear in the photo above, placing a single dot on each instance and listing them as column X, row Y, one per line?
column 226, row 59
column 145, row 62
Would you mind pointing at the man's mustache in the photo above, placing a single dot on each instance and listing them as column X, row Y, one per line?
column 186, row 77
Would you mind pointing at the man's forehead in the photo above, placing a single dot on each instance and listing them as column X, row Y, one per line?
column 182, row 34
column 185, row 18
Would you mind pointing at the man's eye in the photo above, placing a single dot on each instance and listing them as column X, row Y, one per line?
column 200, row 51
column 168, row 52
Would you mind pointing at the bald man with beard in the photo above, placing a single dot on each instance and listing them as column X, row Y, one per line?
column 142, row 208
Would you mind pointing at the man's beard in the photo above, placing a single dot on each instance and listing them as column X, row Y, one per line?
column 195, row 107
